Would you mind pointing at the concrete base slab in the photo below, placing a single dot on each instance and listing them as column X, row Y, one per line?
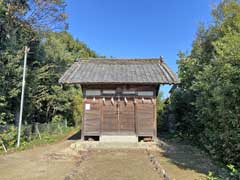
column 88, row 145
column 127, row 139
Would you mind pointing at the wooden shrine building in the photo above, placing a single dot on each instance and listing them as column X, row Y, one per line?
column 119, row 94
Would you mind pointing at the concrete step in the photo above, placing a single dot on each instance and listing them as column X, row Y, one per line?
column 96, row 145
column 118, row 145
column 122, row 138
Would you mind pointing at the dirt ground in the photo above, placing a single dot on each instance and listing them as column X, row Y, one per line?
column 183, row 161
column 60, row 161
column 46, row 162
column 116, row 165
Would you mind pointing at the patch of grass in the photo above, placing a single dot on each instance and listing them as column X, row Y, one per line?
column 46, row 138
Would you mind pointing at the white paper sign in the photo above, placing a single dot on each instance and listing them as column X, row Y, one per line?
column 87, row 106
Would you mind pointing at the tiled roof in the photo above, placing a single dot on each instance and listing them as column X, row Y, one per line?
column 117, row 71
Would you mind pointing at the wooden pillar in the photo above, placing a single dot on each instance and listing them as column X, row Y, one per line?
column 83, row 119
column 155, row 118
column 101, row 118
column 118, row 114
column 135, row 116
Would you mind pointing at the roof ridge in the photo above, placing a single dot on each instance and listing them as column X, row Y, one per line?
column 120, row 60
column 117, row 58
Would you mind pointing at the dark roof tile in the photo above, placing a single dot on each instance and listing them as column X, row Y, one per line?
column 99, row 70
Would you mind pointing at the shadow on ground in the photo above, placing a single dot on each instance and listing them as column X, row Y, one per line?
column 186, row 156
column 76, row 136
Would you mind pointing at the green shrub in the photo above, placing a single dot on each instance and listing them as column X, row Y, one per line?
column 8, row 137
column 33, row 134
column 230, row 173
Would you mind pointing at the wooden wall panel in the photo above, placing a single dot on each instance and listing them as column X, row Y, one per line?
column 121, row 87
column 145, row 117
column 109, row 117
column 92, row 117
column 126, row 117
column 134, row 117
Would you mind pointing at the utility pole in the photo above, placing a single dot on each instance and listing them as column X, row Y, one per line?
column 26, row 50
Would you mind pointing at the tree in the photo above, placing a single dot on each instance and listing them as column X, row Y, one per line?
column 207, row 105
column 34, row 23
column 21, row 24
column 48, row 99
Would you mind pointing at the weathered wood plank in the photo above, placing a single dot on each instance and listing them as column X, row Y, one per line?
column 109, row 121
column 145, row 117
column 126, row 116
column 92, row 117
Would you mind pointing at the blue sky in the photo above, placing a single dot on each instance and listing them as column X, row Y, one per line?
column 138, row 28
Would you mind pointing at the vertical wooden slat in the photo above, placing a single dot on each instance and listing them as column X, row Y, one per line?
column 145, row 117
column 101, row 120
column 155, row 117
column 126, row 117
column 135, row 116
column 110, row 123
column 118, row 114
column 92, row 117
column 83, row 119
